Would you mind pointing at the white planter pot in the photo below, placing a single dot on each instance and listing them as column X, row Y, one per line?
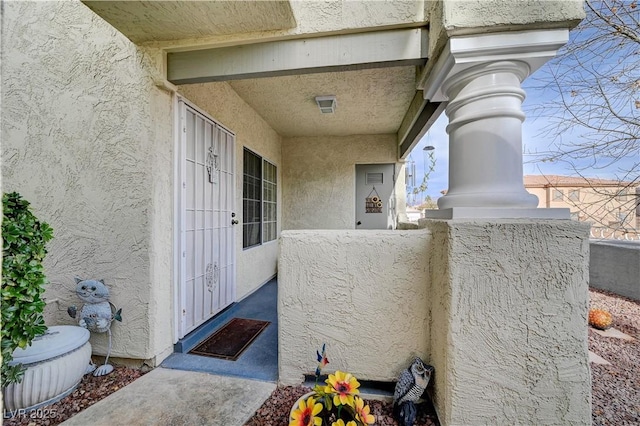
column 55, row 362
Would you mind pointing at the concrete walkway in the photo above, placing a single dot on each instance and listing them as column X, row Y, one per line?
column 172, row 397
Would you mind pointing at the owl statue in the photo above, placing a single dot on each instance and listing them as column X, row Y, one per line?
column 409, row 388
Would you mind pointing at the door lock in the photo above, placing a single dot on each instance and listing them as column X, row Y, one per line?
column 234, row 222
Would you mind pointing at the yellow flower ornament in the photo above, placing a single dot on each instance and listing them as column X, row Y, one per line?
column 334, row 403
column 362, row 412
column 344, row 385
column 340, row 422
column 305, row 414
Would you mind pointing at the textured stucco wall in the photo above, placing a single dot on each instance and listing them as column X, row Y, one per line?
column 319, row 17
column 256, row 265
column 509, row 335
column 87, row 138
column 474, row 16
column 363, row 293
column 319, row 177
column 448, row 18
column 615, row 266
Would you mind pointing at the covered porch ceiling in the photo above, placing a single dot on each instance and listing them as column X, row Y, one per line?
column 373, row 73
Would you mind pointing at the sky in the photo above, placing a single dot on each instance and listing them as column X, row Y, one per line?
column 533, row 139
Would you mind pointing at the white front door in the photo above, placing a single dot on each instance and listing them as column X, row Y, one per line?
column 206, row 238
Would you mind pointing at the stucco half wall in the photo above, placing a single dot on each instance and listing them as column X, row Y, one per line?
column 363, row 293
column 498, row 308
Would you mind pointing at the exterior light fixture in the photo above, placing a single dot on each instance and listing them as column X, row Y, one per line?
column 327, row 104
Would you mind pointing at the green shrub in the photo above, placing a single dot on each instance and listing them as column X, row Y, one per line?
column 23, row 249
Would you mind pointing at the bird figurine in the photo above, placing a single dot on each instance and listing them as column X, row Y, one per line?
column 322, row 360
column 409, row 388
column 97, row 314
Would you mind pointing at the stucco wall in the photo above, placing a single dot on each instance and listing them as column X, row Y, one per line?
column 448, row 18
column 509, row 336
column 364, row 293
column 256, row 265
column 87, row 138
column 615, row 266
column 319, row 177
column 318, row 17
column 474, row 16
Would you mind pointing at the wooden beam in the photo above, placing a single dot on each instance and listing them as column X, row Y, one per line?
column 300, row 56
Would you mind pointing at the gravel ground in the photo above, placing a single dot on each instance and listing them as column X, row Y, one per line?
column 89, row 391
column 616, row 387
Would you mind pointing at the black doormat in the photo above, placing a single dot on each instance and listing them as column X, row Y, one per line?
column 231, row 339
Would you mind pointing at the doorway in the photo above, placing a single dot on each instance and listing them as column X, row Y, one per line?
column 206, row 243
column 375, row 203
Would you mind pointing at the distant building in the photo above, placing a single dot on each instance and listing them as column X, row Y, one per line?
column 610, row 205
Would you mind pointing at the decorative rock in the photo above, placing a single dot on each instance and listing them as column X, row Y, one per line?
column 600, row 319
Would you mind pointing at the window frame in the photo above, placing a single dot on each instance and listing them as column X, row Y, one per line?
column 265, row 194
column 270, row 186
column 557, row 195
column 622, row 195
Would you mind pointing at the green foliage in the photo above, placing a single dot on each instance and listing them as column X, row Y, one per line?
column 23, row 249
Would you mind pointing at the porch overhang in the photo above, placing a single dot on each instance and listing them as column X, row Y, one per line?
column 341, row 52
column 156, row 21
column 252, row 44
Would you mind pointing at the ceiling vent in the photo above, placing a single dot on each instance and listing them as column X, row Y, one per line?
column 327, row 104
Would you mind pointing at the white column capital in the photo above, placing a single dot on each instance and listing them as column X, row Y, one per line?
column 532, row 48
column 479, row 77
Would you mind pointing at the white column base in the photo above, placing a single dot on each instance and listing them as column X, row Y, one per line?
column 497, row 212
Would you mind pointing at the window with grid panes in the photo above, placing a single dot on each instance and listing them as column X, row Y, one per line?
column 269, row 201
column 251, row 199
column 259, row 201
column 557, row 195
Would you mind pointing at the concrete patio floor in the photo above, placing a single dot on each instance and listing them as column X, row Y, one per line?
column 195, row 390
column 174, row 397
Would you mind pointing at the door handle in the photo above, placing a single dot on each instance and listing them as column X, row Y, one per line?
column 234, row 222
column 359, row 223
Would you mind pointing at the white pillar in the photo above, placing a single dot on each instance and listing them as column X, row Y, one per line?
column 485, row 137
column 480, row 78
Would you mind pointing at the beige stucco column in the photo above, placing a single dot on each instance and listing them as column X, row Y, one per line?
column 508, row 338
column 509, row 292
column 479, row 76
